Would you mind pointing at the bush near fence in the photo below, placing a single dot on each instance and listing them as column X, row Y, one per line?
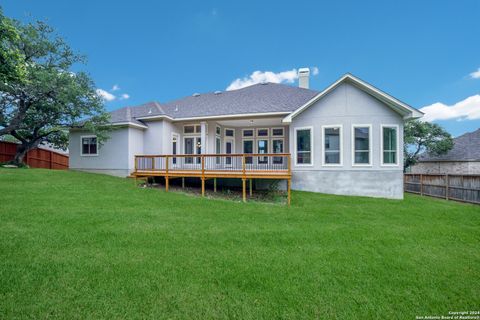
column 465, row 188
column 36, row 158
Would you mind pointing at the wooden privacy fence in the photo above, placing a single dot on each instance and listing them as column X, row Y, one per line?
column 36, row 158
column 465, row 188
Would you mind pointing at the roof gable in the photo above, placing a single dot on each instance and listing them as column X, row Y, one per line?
column 398, row 106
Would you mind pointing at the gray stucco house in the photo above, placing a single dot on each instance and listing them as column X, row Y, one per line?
column 464, row 158
column 346, row 139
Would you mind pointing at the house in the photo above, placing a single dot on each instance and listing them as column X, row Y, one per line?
column 346, row 139
column 463, row 158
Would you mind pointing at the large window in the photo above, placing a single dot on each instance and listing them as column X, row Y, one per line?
column 89, row 146
column 362, row 144
column 332, row 145
column 262, row 148
column 248, row 148
column 303, row 146
column 390, row 145
column 277, row 147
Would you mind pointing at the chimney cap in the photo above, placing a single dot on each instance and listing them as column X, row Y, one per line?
column 217, row 92
column 304, row 71
column 196, row 94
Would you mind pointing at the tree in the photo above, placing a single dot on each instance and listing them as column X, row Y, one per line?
column 12, row 67
column 420, row 137
column 51, row 99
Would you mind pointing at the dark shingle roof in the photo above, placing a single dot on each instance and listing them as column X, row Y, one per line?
column 466, row 148
column 258, row 98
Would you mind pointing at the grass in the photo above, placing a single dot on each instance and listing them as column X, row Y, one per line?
column 79, row 246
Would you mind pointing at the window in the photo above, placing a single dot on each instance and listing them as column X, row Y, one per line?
column 174, row 147
column 262, row 132
column 332, row 145
column 303, row 146
column 262, row 147
column 389, row 145
column 248, row 148
column 189, row 129
column 247, row 132
column 229, row 133
column 218, row 148
column 194, row 128
column 277, row 132
column 218, row 131
column 361, row 144
column 277, row 147
column 89, row 146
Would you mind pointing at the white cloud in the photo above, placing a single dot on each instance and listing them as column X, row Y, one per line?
column 115, row 87
column 315, row 71
column 468, row 109
column 105, row 95
column 124, row 96
column 475, row 74
column 267, row 76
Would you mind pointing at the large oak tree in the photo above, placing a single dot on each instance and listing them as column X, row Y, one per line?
column 49, row 98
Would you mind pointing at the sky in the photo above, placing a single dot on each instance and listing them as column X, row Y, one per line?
column 425, row 53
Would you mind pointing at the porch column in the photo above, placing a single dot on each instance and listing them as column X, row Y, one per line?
column 203, row 136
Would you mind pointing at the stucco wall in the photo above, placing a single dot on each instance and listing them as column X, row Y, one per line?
column 450, row 167
column 115, row 157
column 346, row 106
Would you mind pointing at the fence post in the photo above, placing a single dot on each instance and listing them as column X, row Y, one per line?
column 446, row 186
column 421, row 184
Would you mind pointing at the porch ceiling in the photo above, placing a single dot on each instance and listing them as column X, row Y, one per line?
column 252, row 122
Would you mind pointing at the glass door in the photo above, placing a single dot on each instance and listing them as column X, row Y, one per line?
column 277, row 147
column 188, row 144
column 229, row 143
column 262, row 147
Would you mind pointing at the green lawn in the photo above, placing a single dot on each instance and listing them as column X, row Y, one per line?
column 80, row 246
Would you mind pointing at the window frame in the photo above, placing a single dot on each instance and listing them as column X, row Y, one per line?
column 370, row 145
column 312, row 145
column 248, row 137
column 225, row 132
column 81, row 146
column 262, row 137
column 278, row 136
column 195, row 126
column 397, row 157
column 273, row 150
column 324, row 164
column 218, row 130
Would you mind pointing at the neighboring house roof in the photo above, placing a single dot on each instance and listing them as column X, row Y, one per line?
column 465, row 148
column 256, row 100
column 395, row 104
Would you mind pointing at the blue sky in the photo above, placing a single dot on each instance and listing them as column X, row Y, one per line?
column 422, row 52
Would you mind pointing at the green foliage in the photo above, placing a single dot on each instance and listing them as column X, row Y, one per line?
column 87, row 246
column 12, row 63
column 52, row 98
column 420, row 137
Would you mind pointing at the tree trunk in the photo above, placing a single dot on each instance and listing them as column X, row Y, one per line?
column 22, row 150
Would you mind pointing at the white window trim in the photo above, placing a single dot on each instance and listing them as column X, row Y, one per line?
column 283, row 132
column 177, row 135
column 311, row 147
column 370, row 145
column 195, row 125
column 219, row 151
column 225, row 132
column 256, row 133
column 249, row 137
column 324, row 164
column 195, row 136
column 81, row 146
column 397, row 157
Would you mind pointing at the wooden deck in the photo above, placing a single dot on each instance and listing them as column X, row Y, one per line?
column 212, row 166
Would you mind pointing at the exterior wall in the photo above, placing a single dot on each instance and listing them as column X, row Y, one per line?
column 153, row 138
column 447, row 167
column 346, row 106
column 115, row 157
column 112, row 158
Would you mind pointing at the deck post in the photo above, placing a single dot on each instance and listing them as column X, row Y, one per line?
column 251, row 187
column 244, row 189
column 289, row 195
column 166, row 183
column 214, row 184
column 203, row 186
column 183, row 182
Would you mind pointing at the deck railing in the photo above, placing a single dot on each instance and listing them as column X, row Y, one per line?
column 205, row 163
